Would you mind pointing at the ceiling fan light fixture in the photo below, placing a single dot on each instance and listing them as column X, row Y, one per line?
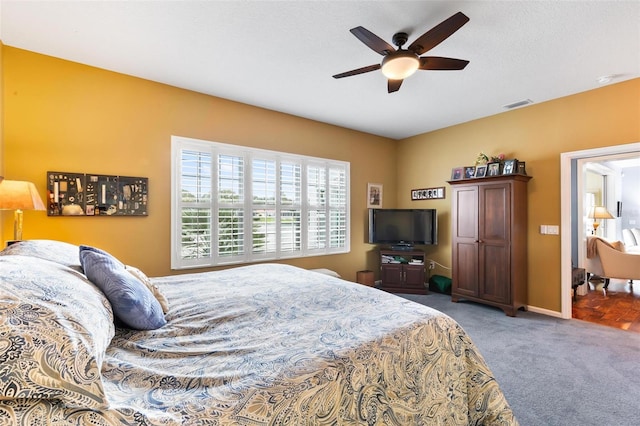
column 400, row 65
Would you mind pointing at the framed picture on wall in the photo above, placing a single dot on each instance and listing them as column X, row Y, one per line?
column 374, row 195
column 427, row 193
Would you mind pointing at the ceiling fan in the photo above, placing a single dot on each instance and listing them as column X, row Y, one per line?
column 399, row 64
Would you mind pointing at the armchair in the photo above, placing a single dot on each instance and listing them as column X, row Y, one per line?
column 609, row 260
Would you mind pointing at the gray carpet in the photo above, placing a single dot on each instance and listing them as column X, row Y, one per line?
column 554, row 371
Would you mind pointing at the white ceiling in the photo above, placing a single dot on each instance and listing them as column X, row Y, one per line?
column 281, row 55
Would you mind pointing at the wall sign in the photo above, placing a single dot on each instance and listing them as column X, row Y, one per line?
column 427, row 193
column 79, row 194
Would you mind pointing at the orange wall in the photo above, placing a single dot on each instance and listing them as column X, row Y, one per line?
column 536, row 134
column 63, row 116
column 1, row 120
column 1, row 127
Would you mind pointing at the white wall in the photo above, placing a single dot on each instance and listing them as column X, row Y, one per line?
column 630, row 198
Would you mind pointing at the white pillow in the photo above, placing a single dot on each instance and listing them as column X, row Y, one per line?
column 326, row 272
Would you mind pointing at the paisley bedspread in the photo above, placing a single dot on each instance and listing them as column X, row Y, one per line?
column 278, row 345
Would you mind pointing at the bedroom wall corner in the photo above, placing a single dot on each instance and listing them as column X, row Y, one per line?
column 536, row 134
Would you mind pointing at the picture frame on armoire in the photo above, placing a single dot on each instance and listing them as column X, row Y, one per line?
column 510, row 167
column 493, row 169
column 469, row 172
column 457, row 173
column 522, row 168
column 481, row 171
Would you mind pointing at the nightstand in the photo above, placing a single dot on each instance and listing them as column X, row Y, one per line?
column 365, row 277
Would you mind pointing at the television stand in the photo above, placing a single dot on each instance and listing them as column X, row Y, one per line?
column 402, row 271
column 402, row 247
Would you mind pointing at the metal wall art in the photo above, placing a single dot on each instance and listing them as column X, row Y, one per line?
column 79, row 194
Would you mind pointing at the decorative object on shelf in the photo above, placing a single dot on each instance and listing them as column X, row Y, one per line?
column 481, row 171
column 497, row 158
column 374, row 195
column 19, row 195
column 490, row 169
column 427, row 193
column 487, row 166
column 457, row 173
column 510, row 167
column 598, row 213
column 481, row 159
column 469, row 172
column 79, row 194
column 522, row 168
column 494, row 169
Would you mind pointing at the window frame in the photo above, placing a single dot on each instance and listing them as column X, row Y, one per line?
column 214, row 149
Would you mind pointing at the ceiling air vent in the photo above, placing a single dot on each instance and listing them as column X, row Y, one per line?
column 518, row 104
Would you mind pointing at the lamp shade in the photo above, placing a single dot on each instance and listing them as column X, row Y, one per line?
column 19, row 195
column 599, row 212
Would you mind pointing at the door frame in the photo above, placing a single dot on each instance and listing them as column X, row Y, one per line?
column 567, row 195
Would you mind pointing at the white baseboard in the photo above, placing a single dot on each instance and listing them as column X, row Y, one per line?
column 544, row 311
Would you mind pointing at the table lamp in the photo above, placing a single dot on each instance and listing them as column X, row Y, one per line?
column 19, row 195
column 598, row 213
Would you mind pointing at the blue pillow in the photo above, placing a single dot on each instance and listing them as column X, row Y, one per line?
column 97, row 250
column 130, row 299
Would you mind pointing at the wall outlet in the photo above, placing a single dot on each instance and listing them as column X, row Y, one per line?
column 432, row 264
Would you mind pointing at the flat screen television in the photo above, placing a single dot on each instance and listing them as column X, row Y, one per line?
column 403, row 228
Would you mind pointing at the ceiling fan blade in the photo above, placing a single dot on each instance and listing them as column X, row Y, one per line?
column 373, row 41
column 394, row 85
column 358, row 71
column 439, row 33
column 438, row 63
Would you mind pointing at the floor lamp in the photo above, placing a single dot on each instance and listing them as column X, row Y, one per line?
column 598, row 213
column 19, row 195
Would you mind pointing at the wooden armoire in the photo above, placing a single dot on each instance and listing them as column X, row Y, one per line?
column 489, row 241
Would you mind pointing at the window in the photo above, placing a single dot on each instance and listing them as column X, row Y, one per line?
column 233, row 204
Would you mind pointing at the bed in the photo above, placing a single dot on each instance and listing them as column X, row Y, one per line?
column 266, row 344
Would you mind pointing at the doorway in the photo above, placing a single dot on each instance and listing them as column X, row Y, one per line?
column 571, row 219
